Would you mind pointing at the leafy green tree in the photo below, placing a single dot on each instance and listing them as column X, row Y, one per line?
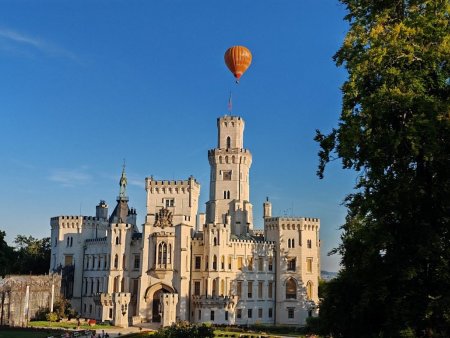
column 394, row 130
column 33, row 255
column 7, row 255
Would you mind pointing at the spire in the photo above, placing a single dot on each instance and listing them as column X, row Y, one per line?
column 123, row 183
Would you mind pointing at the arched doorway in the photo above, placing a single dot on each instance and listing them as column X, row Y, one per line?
column 153, row 298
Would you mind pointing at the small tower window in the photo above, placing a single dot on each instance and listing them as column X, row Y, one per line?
column 116, row 262
column 117, row 240
column 228, row 142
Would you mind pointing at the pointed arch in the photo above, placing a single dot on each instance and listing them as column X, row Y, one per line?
column 291, row 288
column 309, row 290
column 228, row 142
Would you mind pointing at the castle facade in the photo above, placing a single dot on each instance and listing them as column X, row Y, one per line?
column 212, row 267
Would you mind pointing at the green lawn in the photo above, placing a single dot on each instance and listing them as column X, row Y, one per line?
column 67, row 325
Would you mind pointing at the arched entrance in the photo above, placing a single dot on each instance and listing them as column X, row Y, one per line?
column 152, row 297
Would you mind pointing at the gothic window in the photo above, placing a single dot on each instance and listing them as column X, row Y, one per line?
column 222, row 287
column 228, row 194
column 228, row 142
column 270, row 264
column 137, row 262
column 215, row 262
column 291, row 289
column 289, row 243
column 291, row 263
column 309, row 290
column 222, row 263
column 117, row 240
column 198, row 262
column 197, row 288
column 215, row 241
column 309, row 243
column 309, row 262
column 162, row 253
column 226, row 159
column 68, row 241
column 292, row 243
column 71, row 241
column 116, row 262
column 224, row 195
column 169, row 255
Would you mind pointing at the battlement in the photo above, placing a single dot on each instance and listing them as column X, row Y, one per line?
column 292, row 219
column 96, row 240
column 229, row 118
column 226, row 151
column 152, row 183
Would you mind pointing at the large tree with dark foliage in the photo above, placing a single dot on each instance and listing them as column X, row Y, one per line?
column 394, row 130
column 32, row 255
column 7, row 256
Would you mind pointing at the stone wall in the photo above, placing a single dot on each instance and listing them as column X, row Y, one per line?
column 16, row 306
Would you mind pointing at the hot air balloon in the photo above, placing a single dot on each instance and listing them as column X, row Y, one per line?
column 238, row 59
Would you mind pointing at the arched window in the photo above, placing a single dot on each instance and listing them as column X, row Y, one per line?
column 309, row 290
column 233, row 159
column 228, row 142
column 124, row 260
column 68, row 241
column 289, row 243
column 222, row 287
column 224, row 195
column 116, row 261
column 215, row 241
column 292, row 243
column 117, row 240
column 291, row 289
column 228, row 194
column 220, row 159
column 162, row 253
column 226, row 159
column 169, row 255
column 71, row 241
column 215, row 262
column 222, row 263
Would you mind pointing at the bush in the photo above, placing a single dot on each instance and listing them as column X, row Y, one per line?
column 52, row 317
column 184, row 330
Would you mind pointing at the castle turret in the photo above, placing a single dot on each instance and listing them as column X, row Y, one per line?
column 229, row 185
column 101, row 210
column 267, row 209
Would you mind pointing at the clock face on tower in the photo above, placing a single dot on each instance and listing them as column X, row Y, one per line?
column 227, row 175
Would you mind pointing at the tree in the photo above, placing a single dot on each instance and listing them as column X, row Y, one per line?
column 6, row 255
column 394, row 130
column 33, row 255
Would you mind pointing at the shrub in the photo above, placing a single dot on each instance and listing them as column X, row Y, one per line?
column 51, row 317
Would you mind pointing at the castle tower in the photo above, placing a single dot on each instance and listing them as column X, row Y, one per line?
column 229, row 182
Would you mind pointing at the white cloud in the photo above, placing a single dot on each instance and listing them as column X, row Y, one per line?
column 70, row 177
column 11, row 40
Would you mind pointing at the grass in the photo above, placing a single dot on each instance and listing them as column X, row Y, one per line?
column 68, row 325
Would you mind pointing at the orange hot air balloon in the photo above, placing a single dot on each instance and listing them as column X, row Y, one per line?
column 238, row 59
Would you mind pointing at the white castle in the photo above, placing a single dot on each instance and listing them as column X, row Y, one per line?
column 211, row 267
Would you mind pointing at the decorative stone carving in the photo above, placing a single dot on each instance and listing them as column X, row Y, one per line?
column 163, row 218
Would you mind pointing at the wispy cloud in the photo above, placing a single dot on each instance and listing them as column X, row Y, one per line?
column 11, row 40
column 70, row 177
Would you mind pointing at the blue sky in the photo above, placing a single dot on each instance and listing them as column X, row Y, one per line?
column 87, row 84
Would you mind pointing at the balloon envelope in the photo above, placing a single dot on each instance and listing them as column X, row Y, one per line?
column 238, row 59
